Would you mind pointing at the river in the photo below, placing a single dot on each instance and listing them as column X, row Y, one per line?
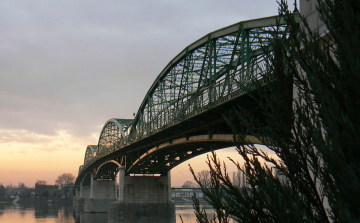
column 42, row 212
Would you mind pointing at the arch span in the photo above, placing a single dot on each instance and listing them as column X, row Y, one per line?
column 90, row 154
column 112, row 132
column 86, row 180
column 206, row 73
column 189, row 95
column 166, row 156
column 107, row 170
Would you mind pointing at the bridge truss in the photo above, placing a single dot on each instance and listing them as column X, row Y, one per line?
column 218, row 67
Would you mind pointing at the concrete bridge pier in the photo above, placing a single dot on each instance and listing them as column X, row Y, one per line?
column 85, row 191
column 81, row 195
column 143, row 199
column 102, row 192
column 77, row 196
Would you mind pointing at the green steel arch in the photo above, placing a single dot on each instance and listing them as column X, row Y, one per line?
column 205, row 73
column 90, row 154
column 220, row 66
column 112, row 133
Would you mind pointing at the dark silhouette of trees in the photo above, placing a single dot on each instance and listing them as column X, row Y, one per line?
column 2, row 190
column 204, row 177
column 45, row 193
column 188, row 184
column 65, row 179
column 41, row 182
column 308, row 117
column 26, row 192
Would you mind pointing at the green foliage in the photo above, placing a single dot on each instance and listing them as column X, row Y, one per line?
column 309, row 118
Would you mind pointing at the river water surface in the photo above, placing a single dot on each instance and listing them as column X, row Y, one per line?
column 64, row 213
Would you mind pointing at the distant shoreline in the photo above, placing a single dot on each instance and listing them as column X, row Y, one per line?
column 35, row 200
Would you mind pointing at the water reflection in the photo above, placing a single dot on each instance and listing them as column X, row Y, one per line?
column 141, row 213
column 29, row 212
column 187, row 213
column 188, row 216
column 42, row 212
column 92, row 217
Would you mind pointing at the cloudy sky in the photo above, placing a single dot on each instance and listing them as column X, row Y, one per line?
column 66, row 67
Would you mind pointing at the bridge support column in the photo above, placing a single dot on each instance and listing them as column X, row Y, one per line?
column 85, row 191
column 121, row 174
column 91, row 186
column 116, row 188
column 75, row 199
column 81, row 195
column 102, row 193
column 143, row 199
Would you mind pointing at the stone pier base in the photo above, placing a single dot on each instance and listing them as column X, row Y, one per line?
column 78, row 204
column 141, row 213
column 97, row 205
column 94, row 218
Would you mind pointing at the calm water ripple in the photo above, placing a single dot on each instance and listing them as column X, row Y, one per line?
column 64, row 213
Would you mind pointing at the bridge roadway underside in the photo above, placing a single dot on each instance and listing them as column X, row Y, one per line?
column 209, row 122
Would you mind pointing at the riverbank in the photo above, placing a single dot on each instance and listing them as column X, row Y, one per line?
column 24, row 201
column 188, row 201
column 6, row 200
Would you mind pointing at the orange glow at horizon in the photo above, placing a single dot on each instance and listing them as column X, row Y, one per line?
column 181, row 173
column 28, row 157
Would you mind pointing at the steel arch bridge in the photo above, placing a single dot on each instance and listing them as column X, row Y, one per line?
column 180, row 116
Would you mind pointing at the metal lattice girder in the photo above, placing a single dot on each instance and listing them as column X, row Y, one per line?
column 112, row 132
column 222, row 65
column 205, row 72
column 90, row 154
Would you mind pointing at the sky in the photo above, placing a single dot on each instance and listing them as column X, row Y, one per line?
column 66, row 67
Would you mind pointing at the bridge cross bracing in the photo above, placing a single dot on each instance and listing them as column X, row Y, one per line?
column 221, row 66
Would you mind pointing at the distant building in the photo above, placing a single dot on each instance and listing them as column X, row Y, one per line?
column 186, row 192
column 46, row 190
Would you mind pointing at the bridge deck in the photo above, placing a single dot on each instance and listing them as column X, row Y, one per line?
column 189, row 98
